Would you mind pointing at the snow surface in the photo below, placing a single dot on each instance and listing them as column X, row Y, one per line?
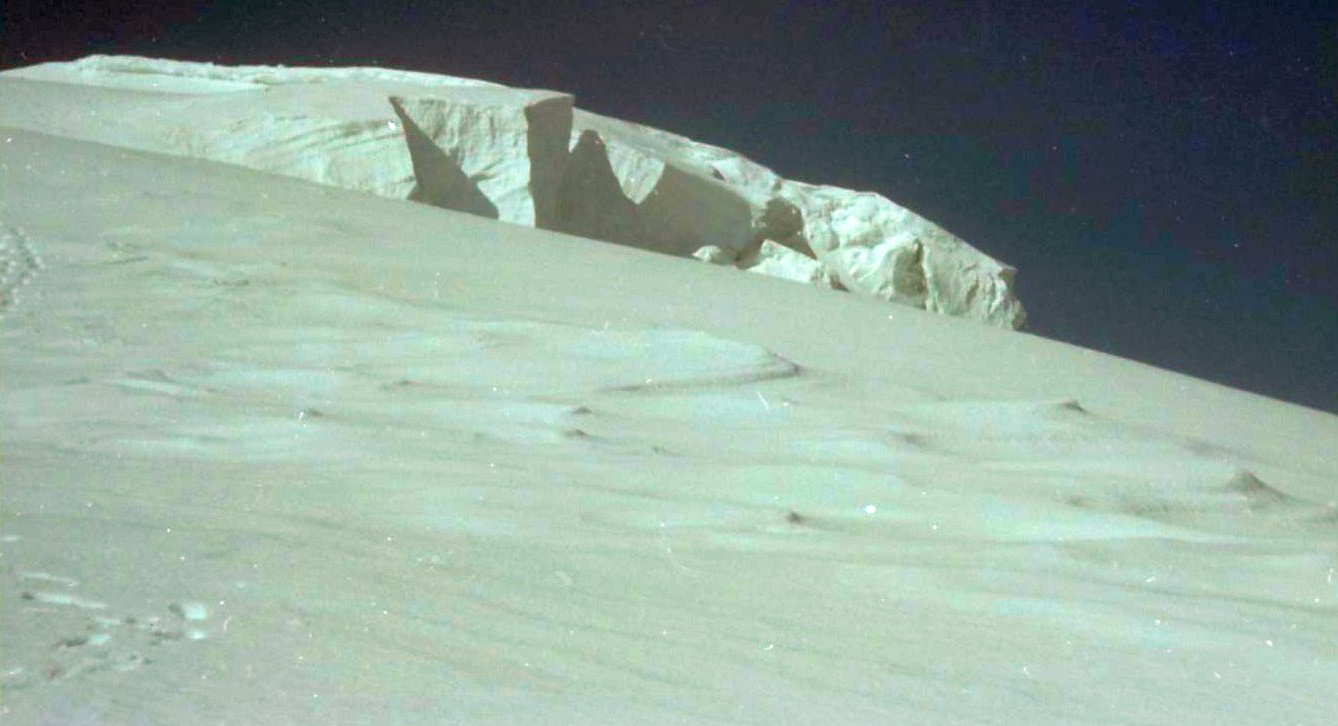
column 283, row 453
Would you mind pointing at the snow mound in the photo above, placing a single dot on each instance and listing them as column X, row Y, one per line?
column 521, row 156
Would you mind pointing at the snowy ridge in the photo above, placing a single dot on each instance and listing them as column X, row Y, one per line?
column 153, row 74
column 526, row 157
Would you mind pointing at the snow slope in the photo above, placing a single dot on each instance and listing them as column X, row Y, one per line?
column 277, row 452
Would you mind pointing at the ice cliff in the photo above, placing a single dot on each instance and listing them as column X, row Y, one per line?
column 521, row 156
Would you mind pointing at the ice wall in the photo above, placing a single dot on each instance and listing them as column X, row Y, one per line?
column 521, row 156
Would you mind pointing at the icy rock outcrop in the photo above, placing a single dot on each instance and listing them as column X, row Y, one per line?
column 773, row 260
column 497, row 153
column 291, row 130
column 777, row 260
column 521, row 156
column 621, row 187
column 684, row 197
column 598, row 202
column 880, row 249
column 511, row 172
column 478, row 148
column 714, row 255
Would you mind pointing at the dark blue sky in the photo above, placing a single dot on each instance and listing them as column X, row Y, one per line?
column 1163, row 174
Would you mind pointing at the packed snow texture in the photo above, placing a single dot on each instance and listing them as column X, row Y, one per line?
column 278, row 452
column 521, row 156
